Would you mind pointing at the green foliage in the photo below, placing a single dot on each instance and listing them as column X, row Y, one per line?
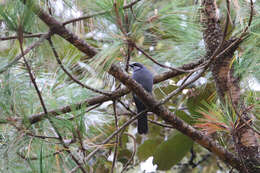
column 41, row 160
column 247, row 58
column 147, row 149
column 200, row 95
column 19, row 16
column 171, row 151
column 162, row 91
column 167, row 30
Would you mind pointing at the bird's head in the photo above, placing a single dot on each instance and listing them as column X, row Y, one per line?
column 136, row 66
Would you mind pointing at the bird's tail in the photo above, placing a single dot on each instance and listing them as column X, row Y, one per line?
column 142, row 124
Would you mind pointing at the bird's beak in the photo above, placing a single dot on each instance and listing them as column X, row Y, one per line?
column 131, row 65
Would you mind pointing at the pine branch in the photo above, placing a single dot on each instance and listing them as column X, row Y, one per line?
column 114, row 95
column 57, row 27
column 176, row 122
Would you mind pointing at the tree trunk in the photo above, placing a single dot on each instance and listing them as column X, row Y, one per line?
column 227, row 85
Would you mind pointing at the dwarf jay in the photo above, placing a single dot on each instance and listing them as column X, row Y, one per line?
column 144, row 77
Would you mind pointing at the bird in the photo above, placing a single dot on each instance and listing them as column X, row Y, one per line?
column 144, row 77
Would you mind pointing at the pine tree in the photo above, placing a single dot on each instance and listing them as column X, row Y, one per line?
column 66, row 88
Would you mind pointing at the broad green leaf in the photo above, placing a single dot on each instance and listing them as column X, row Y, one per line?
column 170, row 152
column 146, row 149
column 154, row 131
column 124, row 155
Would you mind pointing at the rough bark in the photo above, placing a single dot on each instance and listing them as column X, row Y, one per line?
column 176, row 122
column 227, row 85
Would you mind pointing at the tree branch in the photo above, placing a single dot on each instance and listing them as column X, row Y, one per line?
column 25, row 36
column 117, row 138
column 57, row 27
column 227, row 84
column 114, row 95
column 176, row 122
column 133, row 154
column 113, row 134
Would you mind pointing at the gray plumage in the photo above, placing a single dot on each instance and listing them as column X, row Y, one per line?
column 144, row 77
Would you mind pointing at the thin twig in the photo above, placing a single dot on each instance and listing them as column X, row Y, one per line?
column 90, row 109
column 126, row 107
column 126, row 17
column 129, row 45
column 227, row 20
column 25, row 36
column 238, row 114
column 118, row 19
column 70, row 75
column 38, row 91
column 152, row 121
column 26, row 132
column 237, row 148
column 114, row 95
column 133, row 154
column 251, row 15
column 186, row 78
column 20, row 38
column 31, row 47
column 181, row 87
column 41, row 99
column 215, row 55
column 161, row 124
column 131, row 4
column 40, row 136
column 97, row 14
column 153, row 60
column 36, row 158
column 117, row 138
column 113, row 134
column 132, row 11
column 85, row 17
